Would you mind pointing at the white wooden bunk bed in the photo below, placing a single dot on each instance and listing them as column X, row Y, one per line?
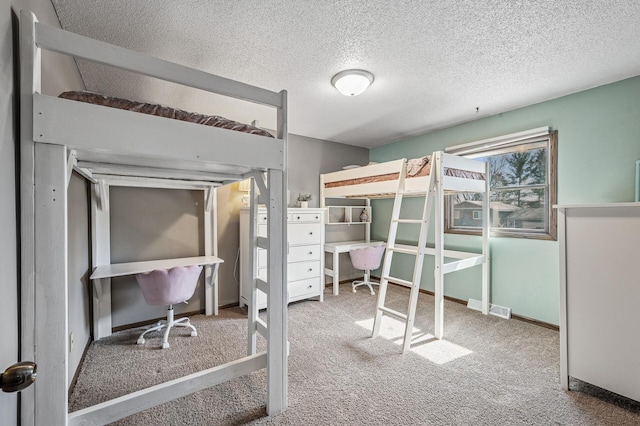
column 431, row 177
column 106, row 145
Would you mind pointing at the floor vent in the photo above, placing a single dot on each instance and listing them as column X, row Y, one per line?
column 499, row 311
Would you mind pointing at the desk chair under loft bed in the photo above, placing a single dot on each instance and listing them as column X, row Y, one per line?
column 366, row 258
column 168, row 287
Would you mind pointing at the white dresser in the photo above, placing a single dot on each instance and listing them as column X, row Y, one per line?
column 305, row 232
column 600, row 296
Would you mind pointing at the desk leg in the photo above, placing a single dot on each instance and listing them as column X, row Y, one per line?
column 211, row 289
column 336, row 273
column 101, row 308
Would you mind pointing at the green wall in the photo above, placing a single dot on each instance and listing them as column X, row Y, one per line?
column 598, row 145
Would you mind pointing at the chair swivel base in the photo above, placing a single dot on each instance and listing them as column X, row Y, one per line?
column 168, row 324
column 369, row 284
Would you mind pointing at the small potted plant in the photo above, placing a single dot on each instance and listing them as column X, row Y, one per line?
column 304, row 200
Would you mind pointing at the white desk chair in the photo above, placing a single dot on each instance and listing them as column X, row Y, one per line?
column 367, row 258
column 168, row 287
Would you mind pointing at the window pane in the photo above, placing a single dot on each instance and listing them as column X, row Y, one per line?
column 522, row 209
column 520, row 168
column 523, row 187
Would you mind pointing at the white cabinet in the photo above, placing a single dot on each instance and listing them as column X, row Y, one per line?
column 305, row 261
column 600, row 295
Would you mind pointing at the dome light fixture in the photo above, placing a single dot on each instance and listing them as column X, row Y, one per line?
column 352, row 82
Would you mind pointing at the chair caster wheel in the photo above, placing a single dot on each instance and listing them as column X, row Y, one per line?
column 141, row 341
column 194, row 334
column 165, row 345
column 373, row 293
column 354, row 290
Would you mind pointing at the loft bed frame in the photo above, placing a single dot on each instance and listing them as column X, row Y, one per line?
column 104, row 145
column 455, row 175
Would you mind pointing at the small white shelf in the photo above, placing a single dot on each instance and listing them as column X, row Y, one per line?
column 347, row 215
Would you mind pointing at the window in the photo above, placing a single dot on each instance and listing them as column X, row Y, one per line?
column 522, row 187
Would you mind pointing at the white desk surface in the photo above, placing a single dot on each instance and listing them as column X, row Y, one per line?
column 121, row 269
column 345, row 246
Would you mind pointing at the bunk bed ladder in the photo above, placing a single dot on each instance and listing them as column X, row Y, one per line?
column 255, row 324
column 417, row 251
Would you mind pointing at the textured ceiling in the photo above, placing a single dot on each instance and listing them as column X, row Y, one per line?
column 434, row 61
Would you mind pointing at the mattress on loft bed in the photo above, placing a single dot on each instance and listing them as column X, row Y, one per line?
column 416, row 167
column 163, row 111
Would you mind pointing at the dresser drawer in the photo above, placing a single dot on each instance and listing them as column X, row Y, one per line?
column 296, row 271
column 303, row 253
column 262, row 258
column 303, row 270
column 304, row 233
column 304, row 217
column 304, row 288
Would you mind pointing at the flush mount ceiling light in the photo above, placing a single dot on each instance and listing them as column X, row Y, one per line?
column 352, row 82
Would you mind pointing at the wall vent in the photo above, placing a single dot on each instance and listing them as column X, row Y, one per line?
column 499, row 311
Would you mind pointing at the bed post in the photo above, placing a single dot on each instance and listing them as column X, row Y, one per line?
column 101, row 255
column 211, row 249
column 277, row 351
column 439, row 246
column 486, row 265
column 51, row 318
column 29, row 84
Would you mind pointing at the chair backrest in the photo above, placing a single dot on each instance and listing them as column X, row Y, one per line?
column 367, row 258
column 169, row 286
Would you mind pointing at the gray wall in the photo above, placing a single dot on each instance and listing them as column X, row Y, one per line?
column 62, row 75
column 150, row 224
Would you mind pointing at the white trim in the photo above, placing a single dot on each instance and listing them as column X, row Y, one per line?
column 484, row 144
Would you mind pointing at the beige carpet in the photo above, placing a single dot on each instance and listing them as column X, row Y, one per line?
column 487, row 371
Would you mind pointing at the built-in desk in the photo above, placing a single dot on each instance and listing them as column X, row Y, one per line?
column 102, row 275
column 342, row 247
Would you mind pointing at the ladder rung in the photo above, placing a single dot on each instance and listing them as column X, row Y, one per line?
column 418, row 221
column 393, row 313
column 399, row 281
column 404, row 249
column 261, row 327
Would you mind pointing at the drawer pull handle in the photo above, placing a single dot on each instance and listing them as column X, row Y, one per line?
column 310, row 286
column 310, row 253
column 310, row 233
column 310, row 269
column 298, row 217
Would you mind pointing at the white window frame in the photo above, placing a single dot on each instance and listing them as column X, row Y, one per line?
column 480, row 149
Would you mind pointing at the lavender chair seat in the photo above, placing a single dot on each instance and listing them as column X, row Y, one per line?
column 367, row 258
column 168, row 287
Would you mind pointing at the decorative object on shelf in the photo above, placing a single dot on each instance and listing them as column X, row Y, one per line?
column 303, row 199
column 364, row 216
